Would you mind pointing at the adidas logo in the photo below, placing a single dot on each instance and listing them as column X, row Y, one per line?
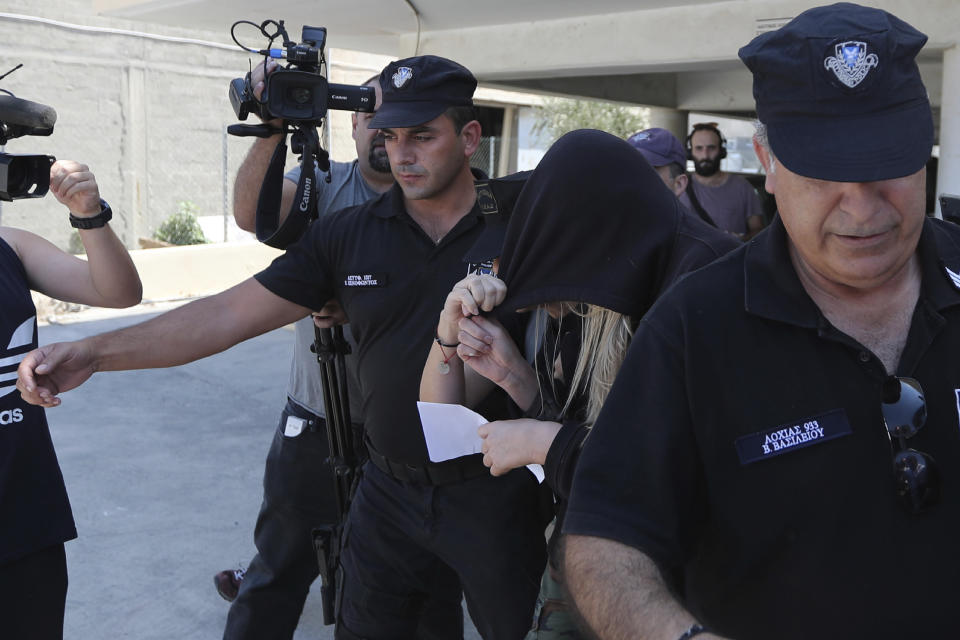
column 10, row 416
column 22, row 340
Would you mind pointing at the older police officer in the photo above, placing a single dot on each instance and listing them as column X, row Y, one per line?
column 800, row 497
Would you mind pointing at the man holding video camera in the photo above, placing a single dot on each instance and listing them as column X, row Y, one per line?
column 417, row 531
column 297, row 485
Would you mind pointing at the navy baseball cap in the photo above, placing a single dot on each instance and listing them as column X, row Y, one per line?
column 659, row 147
column 417, row 90
column 840, row 93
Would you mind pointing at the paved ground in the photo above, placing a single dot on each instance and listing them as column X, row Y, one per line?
column 164, row 472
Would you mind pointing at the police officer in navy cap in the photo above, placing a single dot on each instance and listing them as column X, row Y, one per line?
column 665, row 154
column 801, row 478
column 418, row 531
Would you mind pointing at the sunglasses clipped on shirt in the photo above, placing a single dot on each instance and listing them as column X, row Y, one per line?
column 904, row 414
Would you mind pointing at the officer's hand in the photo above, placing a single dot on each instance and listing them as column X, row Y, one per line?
column 53, row 369
column 331, row 315
column 508, row 444
column 468, row 297
column 75, row 187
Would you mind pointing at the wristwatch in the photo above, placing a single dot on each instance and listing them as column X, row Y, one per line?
column 94, row 222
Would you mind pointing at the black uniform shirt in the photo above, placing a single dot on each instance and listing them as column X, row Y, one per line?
column 744, row 450
column 392, row 281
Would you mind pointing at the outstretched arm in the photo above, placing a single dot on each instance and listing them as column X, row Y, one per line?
column 619, row 593
column 188, row 333
column 107, row 278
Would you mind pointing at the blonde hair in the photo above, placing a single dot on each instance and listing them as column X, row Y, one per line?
column 605, row 337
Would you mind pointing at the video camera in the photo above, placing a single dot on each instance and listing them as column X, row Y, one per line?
column 24, row 176
column 300, row 92
column 299, row 95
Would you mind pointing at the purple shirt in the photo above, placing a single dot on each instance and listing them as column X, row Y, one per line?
column 728, row 205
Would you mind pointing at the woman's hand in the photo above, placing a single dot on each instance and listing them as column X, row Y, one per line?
column 508, row 444
column 469, row 297
column 487, row 348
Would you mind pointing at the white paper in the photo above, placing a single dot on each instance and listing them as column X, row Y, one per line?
column 451, row 431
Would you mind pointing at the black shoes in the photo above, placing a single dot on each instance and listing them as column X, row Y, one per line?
column 228, row 583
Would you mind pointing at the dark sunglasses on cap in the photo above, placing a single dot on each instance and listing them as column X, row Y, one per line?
column 904, row 414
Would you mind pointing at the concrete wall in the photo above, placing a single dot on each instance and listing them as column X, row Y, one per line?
column 175, row 274
column 146, row 111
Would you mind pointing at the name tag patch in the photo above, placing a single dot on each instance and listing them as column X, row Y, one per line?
column 484, row 268
column 365, row 280
column 790, row 437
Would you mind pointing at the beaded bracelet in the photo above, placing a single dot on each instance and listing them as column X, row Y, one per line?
column 436, row 338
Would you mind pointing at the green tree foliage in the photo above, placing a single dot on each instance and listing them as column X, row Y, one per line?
column 557, row 116
column 182, row 227
column 75, row 244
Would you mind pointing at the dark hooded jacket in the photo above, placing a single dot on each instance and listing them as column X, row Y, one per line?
column 595, row 223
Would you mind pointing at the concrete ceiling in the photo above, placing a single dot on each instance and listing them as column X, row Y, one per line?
column 678, row 54
column 374, row 25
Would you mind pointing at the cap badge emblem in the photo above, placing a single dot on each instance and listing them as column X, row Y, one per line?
column 403, row 75
column 852, row 62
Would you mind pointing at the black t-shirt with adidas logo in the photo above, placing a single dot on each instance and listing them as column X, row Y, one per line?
column 34, row 509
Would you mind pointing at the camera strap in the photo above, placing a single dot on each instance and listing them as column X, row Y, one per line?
column 268, row 227
column 697, row 207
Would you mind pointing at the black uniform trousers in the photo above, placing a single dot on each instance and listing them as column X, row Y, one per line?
column 33, row 594
column 407, row 547
column 297, row 496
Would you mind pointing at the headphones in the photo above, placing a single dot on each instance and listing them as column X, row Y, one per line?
column 706, row 126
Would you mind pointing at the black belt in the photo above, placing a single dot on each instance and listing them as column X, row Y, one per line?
column 430, row 473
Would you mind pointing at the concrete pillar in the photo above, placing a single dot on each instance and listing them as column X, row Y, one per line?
column 134, row 162
column 507, row 144
column 948, row 171
column 673, row 120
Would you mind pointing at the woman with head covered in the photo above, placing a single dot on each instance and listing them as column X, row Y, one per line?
column 593, row 239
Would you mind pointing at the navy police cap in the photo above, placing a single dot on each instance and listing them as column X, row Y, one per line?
column 417, row 90
column 840, row 93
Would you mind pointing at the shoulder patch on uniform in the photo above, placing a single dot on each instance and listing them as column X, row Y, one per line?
column 792, row 436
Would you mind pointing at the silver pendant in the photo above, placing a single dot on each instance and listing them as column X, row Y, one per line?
column 444, row 368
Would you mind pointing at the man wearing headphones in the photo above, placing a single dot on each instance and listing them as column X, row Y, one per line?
column 729, row 202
